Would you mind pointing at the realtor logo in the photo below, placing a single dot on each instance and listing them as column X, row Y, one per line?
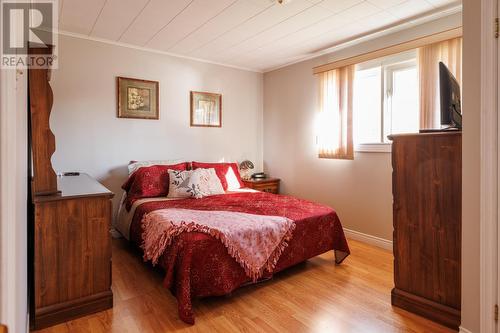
column 28, row 24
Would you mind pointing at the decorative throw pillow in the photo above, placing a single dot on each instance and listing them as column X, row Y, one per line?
column 135, row 165
column 194, row 183
column 180, row 185
column 214, row 185
column 149, row 182
column 228, row 173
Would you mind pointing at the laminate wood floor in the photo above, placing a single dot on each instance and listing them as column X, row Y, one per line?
column 315, row 296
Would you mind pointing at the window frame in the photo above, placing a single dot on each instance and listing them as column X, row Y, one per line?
column 388, row 64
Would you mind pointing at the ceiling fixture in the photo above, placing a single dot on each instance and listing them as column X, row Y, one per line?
column 282, row 2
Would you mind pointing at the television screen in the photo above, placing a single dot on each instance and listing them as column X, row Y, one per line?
column 451, row 111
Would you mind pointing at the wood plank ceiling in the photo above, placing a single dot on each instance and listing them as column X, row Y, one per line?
column 254, row 34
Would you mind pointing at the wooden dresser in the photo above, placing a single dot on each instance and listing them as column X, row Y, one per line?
column 270, row 185
column 72, row 251
column 427, row 190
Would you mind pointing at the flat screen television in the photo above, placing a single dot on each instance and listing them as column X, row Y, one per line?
column 451, row 111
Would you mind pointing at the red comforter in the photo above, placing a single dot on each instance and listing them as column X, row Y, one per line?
column 198, row 265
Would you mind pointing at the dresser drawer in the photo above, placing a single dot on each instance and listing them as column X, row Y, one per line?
column 270, row 188
column 270, row 185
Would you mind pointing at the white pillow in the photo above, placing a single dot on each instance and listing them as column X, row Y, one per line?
column 214, row 184
column 193, row 183
column 132, row 167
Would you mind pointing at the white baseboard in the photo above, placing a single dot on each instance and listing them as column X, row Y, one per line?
column 464, row 330
column 369, row 239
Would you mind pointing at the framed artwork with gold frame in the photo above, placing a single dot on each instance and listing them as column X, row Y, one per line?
column 206, row 109
column 137, row 98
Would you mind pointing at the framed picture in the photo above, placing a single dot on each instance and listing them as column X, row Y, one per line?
column 206, row 109
column 137, row 98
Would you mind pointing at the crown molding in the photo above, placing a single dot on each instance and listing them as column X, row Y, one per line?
column 146, row 49
column 413, row 21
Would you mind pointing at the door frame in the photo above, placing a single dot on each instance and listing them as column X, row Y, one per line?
column 13, row 199
column 489, row 172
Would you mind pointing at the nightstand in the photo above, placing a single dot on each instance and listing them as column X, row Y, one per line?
column 270, row 185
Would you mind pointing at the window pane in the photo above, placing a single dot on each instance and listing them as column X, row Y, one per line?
column 367, row 111
column 404, row 101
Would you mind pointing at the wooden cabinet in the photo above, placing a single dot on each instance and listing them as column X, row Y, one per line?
column 427, row 190
column 72, row 251
column 271, row 185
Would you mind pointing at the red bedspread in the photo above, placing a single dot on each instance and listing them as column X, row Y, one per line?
column 198, row 265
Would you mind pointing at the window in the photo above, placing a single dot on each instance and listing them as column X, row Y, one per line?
column 385, row 100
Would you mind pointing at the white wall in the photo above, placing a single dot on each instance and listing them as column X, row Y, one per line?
column 360, row 190
column 90, row 138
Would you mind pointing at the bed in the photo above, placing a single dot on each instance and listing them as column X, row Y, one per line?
column 198, row 265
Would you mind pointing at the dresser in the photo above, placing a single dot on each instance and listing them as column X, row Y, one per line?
column 427, row 208
column 270, row 185
column 72, row 251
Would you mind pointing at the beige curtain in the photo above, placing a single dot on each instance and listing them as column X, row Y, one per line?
column 450, row 53
column 335, row 118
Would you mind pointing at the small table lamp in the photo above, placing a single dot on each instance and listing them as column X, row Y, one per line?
column 245, row 169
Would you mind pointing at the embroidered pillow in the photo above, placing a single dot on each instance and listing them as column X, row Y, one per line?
column 149, row 182
column 228, row 173
column 181, row 186
column 213, row 182
column 194, row 183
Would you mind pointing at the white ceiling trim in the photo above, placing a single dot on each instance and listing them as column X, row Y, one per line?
column 147, row 49
column 393, row 28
